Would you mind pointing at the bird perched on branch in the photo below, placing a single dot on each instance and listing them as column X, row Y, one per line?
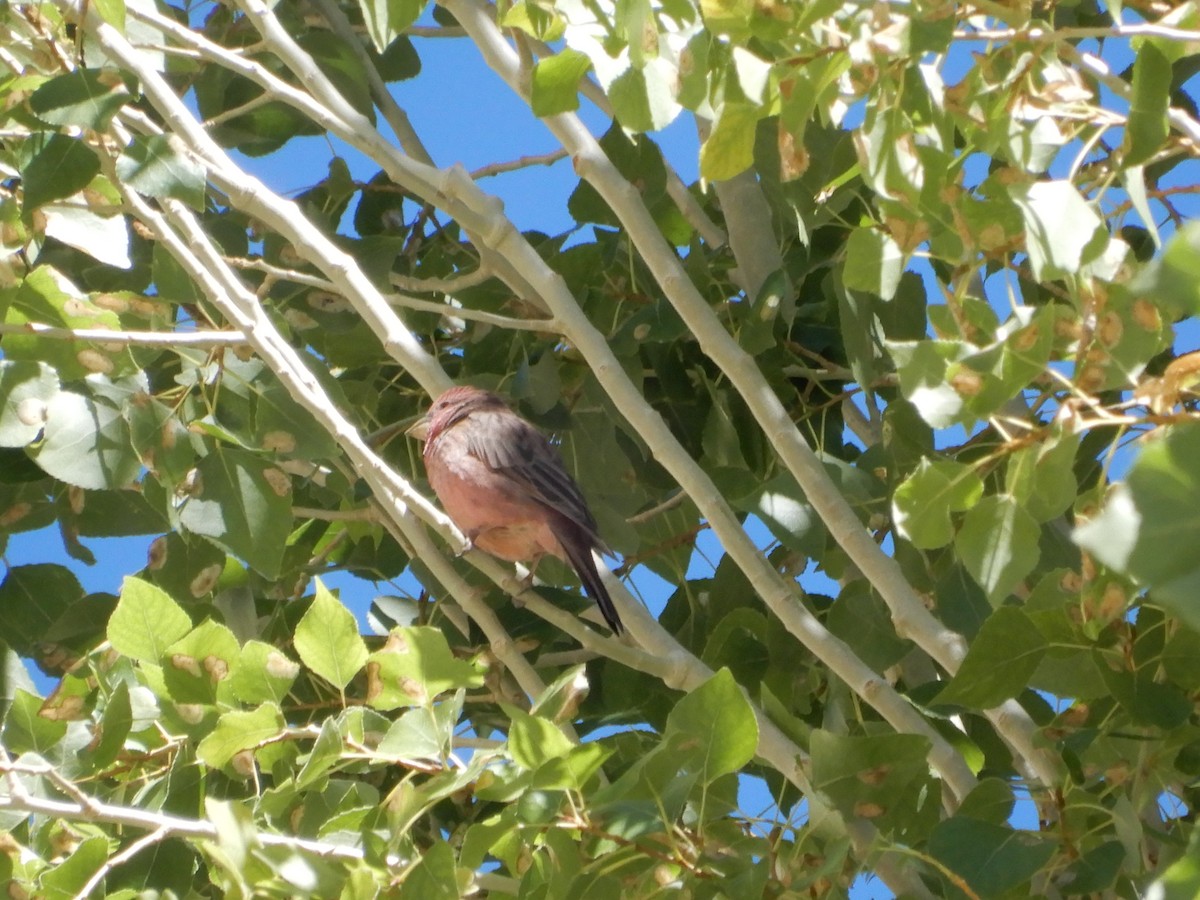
column 506, row 488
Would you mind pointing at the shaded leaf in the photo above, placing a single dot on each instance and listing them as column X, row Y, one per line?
column 991, row 858
column 922, row 504
column 998, row 543
column 242, row 503
column 999, row 662
column 713, row 728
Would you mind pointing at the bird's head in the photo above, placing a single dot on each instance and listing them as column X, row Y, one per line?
column 452, row 406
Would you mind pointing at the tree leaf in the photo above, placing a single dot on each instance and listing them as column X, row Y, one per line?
column 32, row 599
column 533, row 741
column 237, row 731
column 1060, row 227
column 998, row 543
column 146, row 621
column 877, row 776
column 263, row 674
column 86, row 443
column 387, row 19
column 556, row 78
column 992, row 859
column 999, row 662
column 242, row 503
column 328, row 641
column 151, row 166
column 1147, row 520
column 25, row 390
column 196, row 664
column 434, row 877
column 104, row 238
column 729, row 149
column 87, row 98
column 64, row 166
column 874, row 262
column 713, row 728
column 415, row 666
column 25, row 730
column 923, row 502
column 1147, row 125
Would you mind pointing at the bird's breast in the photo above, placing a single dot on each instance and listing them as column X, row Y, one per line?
column 491, row 508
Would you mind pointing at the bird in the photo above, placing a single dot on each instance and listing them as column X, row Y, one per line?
column 505, row 486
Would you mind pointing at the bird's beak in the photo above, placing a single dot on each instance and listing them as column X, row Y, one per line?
column 419, row 429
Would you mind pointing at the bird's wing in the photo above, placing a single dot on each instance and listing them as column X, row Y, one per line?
column 509, row 444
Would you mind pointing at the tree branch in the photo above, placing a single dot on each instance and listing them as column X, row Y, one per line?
column 909, row 615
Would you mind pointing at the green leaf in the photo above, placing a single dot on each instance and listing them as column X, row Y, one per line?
column 998, row 543
column 262, row 674
column 237, row 731
column 62, row 168
column 729, row 150
column 556, row 82
column 922, row 368
column 161, row 441
column 151, row 166
column 146, row 621
column 241, row 503
column 88, row 98
column 923, row 502
column 25, row 390
column 992, row 859
column 991, row 800
column 1148, row 702
column 197, row 663
column 327, row 640
column 1175, row 282
column 730, row 17
column 533, row 741
column 885, row 777
column 112, row 729
column 713, row 728
column 861, row 619
column 856, row 317
column 1147, row 127
column 782, row 507
column 1181, row 880
column 285, row 427
column 32, row 599
column 999, row 662
column 25, row 730
column 874, row 262
column 1156, row 511
column 1042, row 478
column 643, row 98
column 103, row 237
column 68, row 878
column 415, row 666
column 434, row 877
column 1095, row 871
column 415, row 735
column 1060, row 227
column 86, row 443
column 112, row 12
column 387, row 19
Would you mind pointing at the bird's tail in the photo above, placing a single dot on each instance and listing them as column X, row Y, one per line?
column 579, row 555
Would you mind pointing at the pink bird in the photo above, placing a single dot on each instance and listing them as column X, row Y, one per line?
column 506, row 488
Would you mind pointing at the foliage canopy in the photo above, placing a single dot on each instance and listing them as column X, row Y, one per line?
column 914, row 350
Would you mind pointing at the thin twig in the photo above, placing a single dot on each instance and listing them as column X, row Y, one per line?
column 140, row 338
